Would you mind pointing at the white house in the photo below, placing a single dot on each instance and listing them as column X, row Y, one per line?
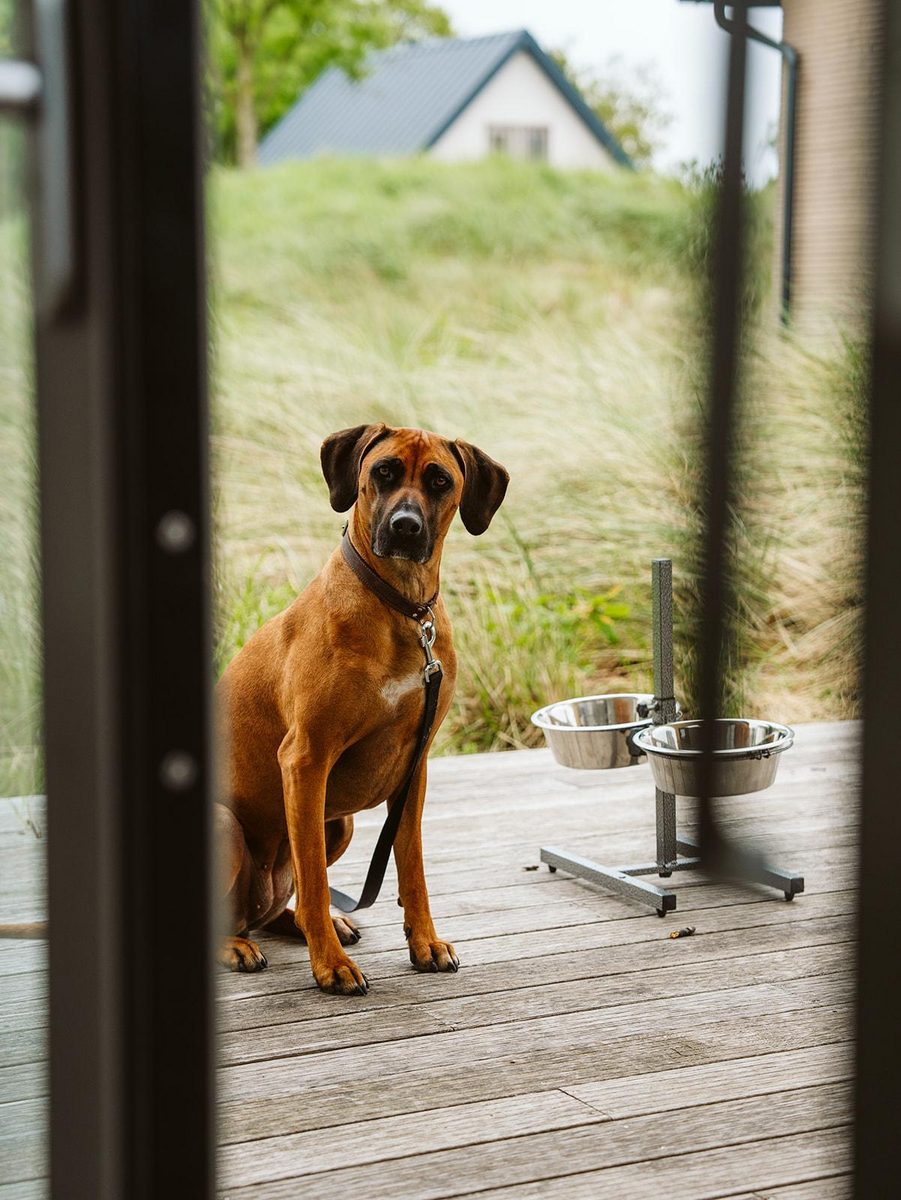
column 458, row 99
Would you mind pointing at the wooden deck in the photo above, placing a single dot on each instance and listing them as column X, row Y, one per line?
column 579, row 1051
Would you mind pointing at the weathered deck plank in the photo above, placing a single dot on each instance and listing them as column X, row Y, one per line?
column 573, row 1150
column 764, row 1074
column 551, row 999
column 408, row 1135
column 415, row 1090
column 707, row 1175
column 579, row 1050
column 838, row 1187
column 466, row 1124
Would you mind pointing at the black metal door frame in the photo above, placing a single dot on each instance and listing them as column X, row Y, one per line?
column 123, row 443
column 878, row 1076
column 878, row 1073
column 125, row 533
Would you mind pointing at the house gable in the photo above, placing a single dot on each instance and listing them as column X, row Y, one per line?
column 520, row 95
column 410, row 96
column 524, row 45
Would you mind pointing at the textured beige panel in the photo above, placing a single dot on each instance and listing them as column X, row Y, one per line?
column 836, row 159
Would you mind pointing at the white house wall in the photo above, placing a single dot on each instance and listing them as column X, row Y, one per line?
column 521, row 94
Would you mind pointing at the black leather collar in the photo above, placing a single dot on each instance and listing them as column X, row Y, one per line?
column 385, row 592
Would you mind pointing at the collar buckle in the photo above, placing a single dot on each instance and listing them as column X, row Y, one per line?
column 427, row 641
column 432, row 667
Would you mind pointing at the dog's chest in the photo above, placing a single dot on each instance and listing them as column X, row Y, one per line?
column 372, row 768
column 394, row 689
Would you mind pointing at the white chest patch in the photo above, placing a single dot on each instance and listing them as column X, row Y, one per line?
column 395, row 689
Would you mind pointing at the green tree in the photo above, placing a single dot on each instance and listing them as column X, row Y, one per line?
column 629, row 100
column 264, row 53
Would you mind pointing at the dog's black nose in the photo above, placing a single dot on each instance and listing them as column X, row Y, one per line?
column 406, row 523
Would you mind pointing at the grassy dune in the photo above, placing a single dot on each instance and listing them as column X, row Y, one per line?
column 553, row 319
column 550, row 318
column 533, row 313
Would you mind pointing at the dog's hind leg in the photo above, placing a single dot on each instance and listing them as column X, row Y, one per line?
column 241, row 954
column 237, row 953
column 338, row 833
column 285, row 926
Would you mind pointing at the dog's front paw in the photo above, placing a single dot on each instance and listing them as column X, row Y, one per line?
column 432, row 955
column 341, row 976
column 241, row 954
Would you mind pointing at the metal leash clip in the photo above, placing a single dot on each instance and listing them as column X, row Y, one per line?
column 427, row 641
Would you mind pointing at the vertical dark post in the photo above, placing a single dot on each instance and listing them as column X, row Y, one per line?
column 165, row 599
column 721, row 417
column 662, row 633
column 125, row 530
column 791, row 59
column 664, row 700
column 878, row 1090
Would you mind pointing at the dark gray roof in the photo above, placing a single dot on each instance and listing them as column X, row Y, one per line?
column 408, row 96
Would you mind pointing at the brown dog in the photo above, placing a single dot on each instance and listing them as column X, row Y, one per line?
column 324, row 703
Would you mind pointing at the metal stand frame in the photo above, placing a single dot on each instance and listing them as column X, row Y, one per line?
column 625, row 881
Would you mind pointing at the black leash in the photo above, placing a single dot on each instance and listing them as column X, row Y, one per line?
column 432, row 674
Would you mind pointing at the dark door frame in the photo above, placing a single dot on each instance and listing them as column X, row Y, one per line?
column 878, row 1068
column 125, row 536
column 123, row 444
column 878, row 1075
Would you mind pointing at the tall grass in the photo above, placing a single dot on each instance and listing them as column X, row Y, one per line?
column 810, row 506
column 535, row 313
column 747, row 538
column 796, row 524
column 552, row 318
column 21, row 770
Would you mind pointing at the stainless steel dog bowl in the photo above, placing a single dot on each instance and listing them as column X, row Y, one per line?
column 746, row 755
column 592, row 731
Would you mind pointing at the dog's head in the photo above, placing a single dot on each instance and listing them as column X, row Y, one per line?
column 407, row 485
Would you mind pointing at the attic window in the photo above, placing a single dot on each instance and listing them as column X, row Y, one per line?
column 519, row 141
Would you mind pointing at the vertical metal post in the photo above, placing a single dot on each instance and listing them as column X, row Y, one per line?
column 120, row 352
column 664, row 701
column 164, row 597
column 791, row 58
column 719, row 851
column 716, row 582
column 662, row 633
column 878, row 1089
column 666, row 832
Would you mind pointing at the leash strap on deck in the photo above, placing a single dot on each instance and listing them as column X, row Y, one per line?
column 432, row 676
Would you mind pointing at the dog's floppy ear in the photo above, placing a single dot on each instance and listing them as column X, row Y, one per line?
column 341, row 455
column 484, row 486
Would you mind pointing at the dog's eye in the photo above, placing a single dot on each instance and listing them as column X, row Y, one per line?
column 384, row 471
column 440, row 482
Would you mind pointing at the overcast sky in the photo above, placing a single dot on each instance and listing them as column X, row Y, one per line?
column 681, row 40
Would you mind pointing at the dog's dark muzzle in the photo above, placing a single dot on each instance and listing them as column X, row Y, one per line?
column 403, row 533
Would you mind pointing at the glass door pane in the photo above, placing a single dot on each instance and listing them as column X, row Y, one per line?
column 23, row 948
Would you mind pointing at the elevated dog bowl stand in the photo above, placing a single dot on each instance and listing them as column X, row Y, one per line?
column 626, row 881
